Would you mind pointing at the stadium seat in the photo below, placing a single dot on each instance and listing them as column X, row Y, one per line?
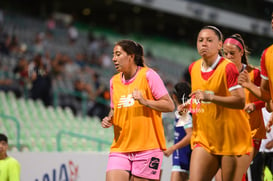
column 39, row 126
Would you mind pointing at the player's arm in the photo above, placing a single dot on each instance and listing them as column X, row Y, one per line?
column 236, row 99
column 182, row 143
column 261, row 92
column 163, row 104
column 162, row 101
column 107, row 120
column 265, row 93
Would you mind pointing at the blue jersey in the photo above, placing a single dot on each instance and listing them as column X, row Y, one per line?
column 181, row 157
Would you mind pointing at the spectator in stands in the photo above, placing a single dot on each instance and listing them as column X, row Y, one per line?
column 81, row 87
column 8, row 82
column 138, row 96
column 58, row 64
column 82, row 97
column 21, row 72
column 80, row 60
column 39, row 45
column 99, row 87
column 98, row 50
column 216, row 103
column 50, row 26
column 9, row 166
column 181, row 151
column 92, row 49
column 101, row 104
column 104, row 61
column 73, row 33
column 41, row 80
column 14, row 44
column 71, row 68
column 5, row 44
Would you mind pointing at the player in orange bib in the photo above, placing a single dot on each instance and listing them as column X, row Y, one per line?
column 221, row 135
column 265, row 91
column 138, row 96
column 235, row 50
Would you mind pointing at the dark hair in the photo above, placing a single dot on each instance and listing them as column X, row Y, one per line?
column 3, row 137
column 239, row 38
column 182, row 90
column 131, row 47
column 217, row 32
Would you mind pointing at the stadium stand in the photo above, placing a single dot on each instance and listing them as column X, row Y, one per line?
column 39, row 127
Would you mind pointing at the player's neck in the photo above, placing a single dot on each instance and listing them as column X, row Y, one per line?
column 131, row 74
column 3, row 156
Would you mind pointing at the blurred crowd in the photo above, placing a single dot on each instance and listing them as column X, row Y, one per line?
column 67, row 76
column 56, row 64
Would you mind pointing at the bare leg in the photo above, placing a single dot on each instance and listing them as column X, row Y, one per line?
column 218, row 176
column 179, row 176
column 228, row 168
column 114, row 175
column 203, row 165
column 243, row 164
column 233, row 167
column 135, row 178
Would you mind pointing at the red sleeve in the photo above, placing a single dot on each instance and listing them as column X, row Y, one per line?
column 190, row 67
column 263, row 69
column 232, row 75
column 257, row 77
column 259, row 104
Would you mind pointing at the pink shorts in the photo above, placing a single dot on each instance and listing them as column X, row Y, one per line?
column 144, row 164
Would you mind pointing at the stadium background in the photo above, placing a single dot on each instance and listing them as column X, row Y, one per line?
column 169, row 37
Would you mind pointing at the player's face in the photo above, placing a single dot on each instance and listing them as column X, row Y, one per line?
column 121, row 59
column 233, row 53
column 208, row 43
column 3, row 148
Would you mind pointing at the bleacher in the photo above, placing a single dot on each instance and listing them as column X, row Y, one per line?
column 48, row 129
column 30, row 126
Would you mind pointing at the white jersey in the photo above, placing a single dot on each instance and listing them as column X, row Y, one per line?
column 269, row 136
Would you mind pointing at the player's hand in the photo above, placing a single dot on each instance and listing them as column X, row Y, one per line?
column 168, row 152
column 244, row 79
column 137, row 95
column 249, row 108
column 200, row 95
column 269, row 145
column 107, row 122
column 183, row 108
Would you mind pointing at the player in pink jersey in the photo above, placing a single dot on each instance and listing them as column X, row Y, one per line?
column 138, row 97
